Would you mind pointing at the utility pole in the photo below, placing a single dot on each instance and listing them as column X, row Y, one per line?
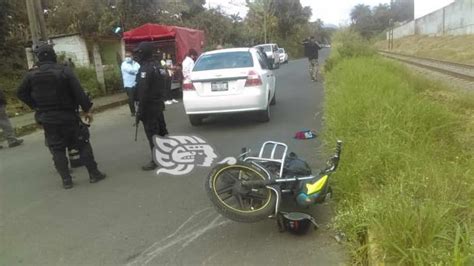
column 265, row 25
column 390, row 35
column 266, row 10
column 37, row 23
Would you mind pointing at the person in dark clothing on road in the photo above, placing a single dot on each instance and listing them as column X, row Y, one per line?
column 150, row 96
column 54, row 92
column 311, row 50
column 5, row 124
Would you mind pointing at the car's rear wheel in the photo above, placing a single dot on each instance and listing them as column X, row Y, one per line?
column 195, row 120
column 264, row 115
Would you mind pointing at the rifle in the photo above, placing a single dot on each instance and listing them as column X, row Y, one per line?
column 137, row 119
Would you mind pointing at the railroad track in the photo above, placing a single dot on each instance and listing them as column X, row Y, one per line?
column 461, row 71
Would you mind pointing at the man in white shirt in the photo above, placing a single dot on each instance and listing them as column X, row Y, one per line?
column 129, row 72
column 188, row 63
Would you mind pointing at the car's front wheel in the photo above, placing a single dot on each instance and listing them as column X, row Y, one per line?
column 195, row 120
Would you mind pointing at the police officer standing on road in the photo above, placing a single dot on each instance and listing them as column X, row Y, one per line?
column 151, row 92
column 54, row 92
column 311, row 50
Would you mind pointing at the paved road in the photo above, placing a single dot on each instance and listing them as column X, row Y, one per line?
column 137, row 218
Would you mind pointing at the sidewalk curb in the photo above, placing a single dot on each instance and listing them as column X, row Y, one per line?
column 28, row 129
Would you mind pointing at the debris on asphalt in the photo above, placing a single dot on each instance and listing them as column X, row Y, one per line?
column 305, row 134
column 340, row 237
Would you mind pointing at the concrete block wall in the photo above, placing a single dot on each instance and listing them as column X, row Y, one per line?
column 431, row 24
column 406, row 29
column 454, row 19
column 459, row 18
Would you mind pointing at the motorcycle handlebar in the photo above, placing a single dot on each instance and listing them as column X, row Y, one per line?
column 334, row 160
column 338, row 147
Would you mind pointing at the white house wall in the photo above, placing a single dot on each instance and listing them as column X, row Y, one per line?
column 73, row 47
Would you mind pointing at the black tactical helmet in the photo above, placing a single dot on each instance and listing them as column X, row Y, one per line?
column 143, row 51
column 297, row 223
column 45, row 52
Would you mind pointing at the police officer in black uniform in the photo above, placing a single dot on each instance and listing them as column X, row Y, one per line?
column 54, row 92
column 151, row 93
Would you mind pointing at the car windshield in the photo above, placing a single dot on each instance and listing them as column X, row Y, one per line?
column 223, row 61
column 281, row 50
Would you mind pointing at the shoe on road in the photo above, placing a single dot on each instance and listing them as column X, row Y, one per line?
column 149, row 166
column 67, row 183
column 96, row 176
column 15, row 143
column 175, row 101
column 168, row 102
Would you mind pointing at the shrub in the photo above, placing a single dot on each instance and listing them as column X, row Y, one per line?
column 88, row 79
column 406, row 170
column 113, row 79
column 347, row 44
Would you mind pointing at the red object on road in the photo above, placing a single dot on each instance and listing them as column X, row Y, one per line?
column 167, row 38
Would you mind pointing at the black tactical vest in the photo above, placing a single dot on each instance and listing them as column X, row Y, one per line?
column 50, row 89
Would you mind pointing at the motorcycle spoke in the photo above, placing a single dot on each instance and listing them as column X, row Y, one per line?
column 240, row 200
column 256, row 196
column 227, row 197
column 234, row 179
column 225, row 189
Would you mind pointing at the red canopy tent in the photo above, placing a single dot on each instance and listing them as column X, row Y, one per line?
column 183, row 39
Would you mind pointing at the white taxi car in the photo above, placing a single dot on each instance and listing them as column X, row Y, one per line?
column 229, row 81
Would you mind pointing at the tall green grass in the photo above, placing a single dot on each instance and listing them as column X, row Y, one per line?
column 407, row 168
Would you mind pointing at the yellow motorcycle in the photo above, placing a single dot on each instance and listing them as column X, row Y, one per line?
column 251, row 189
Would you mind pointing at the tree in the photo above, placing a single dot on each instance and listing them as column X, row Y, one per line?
column 5, row 9
column 261, row 16
column 290, row 14
column 359, row 13
column 403, row 10
column 370, row 22
column 382, row 14
column 194, row 7
column 318, row 30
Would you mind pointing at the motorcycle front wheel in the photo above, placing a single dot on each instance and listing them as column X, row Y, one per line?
column 237, row 202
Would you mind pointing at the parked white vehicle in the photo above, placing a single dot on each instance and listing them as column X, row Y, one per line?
column 273, row 56
column 229, row 81
column 283, row 55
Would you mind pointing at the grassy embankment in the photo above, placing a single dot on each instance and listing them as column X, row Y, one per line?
column 406, row 175
column 450, row 48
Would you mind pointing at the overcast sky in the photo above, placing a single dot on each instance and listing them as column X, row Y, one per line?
column 332, row 11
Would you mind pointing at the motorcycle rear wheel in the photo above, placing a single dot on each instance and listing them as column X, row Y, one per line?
column 236, row 202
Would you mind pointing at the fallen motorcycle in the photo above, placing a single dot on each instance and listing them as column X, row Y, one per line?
column 251, row 189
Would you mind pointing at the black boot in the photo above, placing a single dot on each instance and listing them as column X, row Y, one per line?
column 67, row 183
column 149, row 166
column 15, row 143
column 96, row 176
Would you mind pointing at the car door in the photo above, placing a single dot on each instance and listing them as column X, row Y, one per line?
column 267, row 75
